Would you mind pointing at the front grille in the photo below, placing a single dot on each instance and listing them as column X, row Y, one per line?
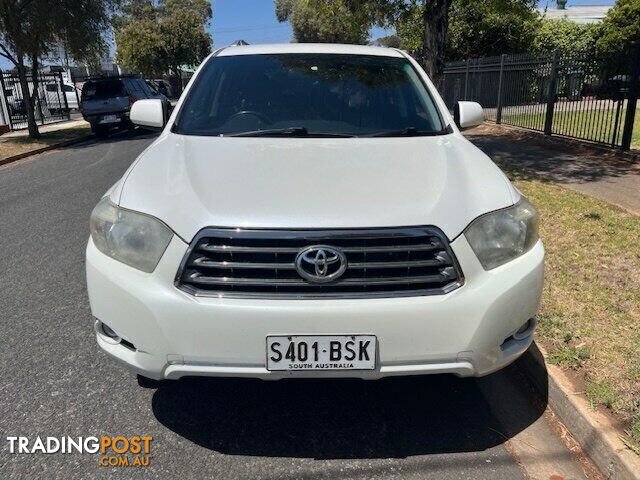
column 382, row 262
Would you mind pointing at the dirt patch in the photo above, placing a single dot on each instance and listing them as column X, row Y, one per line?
column 11, row 146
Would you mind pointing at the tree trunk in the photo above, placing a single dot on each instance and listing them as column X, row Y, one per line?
column 36, row 86
column 28, row 103
column 435, row 18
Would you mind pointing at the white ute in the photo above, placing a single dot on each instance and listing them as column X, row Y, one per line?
column 313, row 211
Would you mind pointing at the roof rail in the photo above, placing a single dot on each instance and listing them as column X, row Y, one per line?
column 238, row 43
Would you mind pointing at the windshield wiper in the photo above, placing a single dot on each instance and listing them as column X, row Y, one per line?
column 411, row 132
column 289, row 132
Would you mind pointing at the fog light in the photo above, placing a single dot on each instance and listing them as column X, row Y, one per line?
column 524, row 331
column 108, row 331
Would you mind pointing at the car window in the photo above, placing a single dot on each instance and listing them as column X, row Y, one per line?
column 145, row 88
column 51, row 87
column 323, row 93
column 149, row 89
column 93, row 90
column 136, row 85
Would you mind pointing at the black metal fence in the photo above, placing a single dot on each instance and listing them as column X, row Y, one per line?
column 50, row 99
column 557, row 94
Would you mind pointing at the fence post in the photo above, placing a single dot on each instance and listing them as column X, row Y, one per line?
column 551, row 101
column 633, row 97
column 499, row 104
column 466, row 79
column 64, row 96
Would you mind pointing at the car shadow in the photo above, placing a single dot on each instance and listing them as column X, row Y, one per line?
column 115, row 136
column 346, row 419
column 569, row 165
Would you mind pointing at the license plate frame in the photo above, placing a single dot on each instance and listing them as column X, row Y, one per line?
column 110, row 119
column 323, row 351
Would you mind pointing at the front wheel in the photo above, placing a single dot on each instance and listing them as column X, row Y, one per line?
column 146, row 382
column 99, row 130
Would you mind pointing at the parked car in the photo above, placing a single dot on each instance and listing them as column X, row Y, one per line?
column 106, row 102
column 60, row 98
column 72, row 93
column 313, row 211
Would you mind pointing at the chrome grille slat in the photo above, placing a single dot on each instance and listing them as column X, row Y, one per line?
column 204, row 262
column 396, row 248
column 381, row 262
column 408, row 264
column 231, row 249
column 199, row 278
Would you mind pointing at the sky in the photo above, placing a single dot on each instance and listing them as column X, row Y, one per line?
column 255, row 22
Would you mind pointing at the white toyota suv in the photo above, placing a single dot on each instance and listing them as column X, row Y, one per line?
column 313, row 211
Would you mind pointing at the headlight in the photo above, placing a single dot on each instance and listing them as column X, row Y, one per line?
column 501, row 236
column 132, row 238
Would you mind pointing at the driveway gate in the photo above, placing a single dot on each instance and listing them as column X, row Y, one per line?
column 50, row 100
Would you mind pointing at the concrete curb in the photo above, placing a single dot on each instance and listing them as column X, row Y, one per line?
column 593, row 430
column 66, row 143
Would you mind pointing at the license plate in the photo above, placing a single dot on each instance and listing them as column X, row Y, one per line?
column 321, row 352
column 110, row 119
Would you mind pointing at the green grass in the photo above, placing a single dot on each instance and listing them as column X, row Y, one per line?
column 634, row 432
column 579, row 124
column 569, row 356
column 601, row 392
column 10, row 146
column 589, row 319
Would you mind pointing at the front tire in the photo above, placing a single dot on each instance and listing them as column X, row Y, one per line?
column 146, row 382
column 99, row 130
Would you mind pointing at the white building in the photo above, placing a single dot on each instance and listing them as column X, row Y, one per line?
column 577, row 13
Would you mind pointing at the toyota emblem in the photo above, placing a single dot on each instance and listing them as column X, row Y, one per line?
column 321, row 263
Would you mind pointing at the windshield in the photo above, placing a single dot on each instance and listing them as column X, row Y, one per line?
column 309, row 94
column 102, row 89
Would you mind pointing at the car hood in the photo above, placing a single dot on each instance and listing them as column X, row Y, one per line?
column 192, row 182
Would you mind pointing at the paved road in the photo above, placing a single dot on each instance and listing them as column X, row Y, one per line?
column 55, row 382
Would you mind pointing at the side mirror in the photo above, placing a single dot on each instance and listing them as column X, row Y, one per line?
column 148, row 113
column 467, row 115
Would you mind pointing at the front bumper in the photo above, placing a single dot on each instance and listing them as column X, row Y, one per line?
column 467, row 332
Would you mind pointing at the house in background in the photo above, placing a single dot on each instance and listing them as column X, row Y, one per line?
column 577, row 13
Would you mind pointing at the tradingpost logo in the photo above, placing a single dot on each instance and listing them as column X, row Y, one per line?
column 118, row 451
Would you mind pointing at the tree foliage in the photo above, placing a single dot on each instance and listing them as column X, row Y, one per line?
column 349, row 21
column 390, row 41
column 155, row 38
column 31, row 29
column 565, row 36
column 485, row 28
column 621, row 26
column 326, row 21
column 437, row 30
column 477, row 28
